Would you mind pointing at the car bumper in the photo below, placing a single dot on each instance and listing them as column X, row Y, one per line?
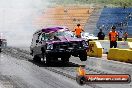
column 61, row 51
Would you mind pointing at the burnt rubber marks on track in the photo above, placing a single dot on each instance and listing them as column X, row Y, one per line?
column 56, row 64
column 12, row 82
column 69, row 69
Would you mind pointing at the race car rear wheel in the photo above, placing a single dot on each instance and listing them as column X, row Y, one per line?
column 83, row 56
column 36, row 58
column 48, row 59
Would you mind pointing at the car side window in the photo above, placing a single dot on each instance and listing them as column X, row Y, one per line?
column 49, row 36
column 46, row 37
column 42, row 37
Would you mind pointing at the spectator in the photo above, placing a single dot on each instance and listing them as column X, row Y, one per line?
column 78, row 29
column 125, row 36
column 101, row 35
column 113, row 37
column 120, row 35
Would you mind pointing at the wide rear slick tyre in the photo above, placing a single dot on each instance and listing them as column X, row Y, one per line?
column 36, row 58
column 48, row 60
column 83, row 56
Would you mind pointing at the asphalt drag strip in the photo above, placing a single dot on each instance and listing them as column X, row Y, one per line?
column 92, row 65
column 16, row 73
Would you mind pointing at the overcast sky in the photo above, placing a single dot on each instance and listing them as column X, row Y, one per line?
column 16, row 19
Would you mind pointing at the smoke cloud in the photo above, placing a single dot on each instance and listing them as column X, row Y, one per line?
column 16, row 20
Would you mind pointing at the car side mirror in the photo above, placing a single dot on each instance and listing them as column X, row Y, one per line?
column 37, row 41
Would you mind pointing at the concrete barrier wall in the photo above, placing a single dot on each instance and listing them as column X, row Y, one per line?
column 130, row 45
column 105, row 45
column 111, row 54
column 120, row 44
column 124, row 55
column 95, row 49
column 118, row 54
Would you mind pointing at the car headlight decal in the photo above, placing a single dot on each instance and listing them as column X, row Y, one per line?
column 84, row 44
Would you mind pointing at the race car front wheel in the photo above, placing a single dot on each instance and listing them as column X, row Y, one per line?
column 65, row 58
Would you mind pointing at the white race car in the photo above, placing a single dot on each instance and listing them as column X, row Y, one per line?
column 87, row 36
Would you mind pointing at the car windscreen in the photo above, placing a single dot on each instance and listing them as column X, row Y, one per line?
column 64, row 33
column 51, row 36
